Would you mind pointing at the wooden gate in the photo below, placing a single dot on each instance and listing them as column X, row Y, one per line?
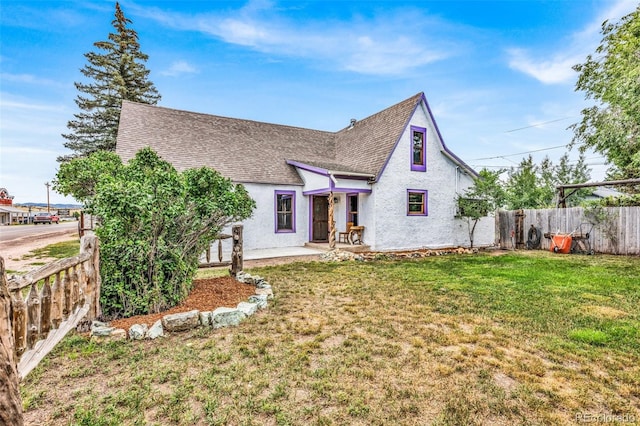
column 58, row 296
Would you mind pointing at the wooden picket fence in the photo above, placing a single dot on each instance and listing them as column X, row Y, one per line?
column 620, row 236
column 58, row 296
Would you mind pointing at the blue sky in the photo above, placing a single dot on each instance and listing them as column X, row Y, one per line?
column 497, row 74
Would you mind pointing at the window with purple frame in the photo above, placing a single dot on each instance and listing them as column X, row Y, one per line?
column 416, row 202
column 285, row 211
column 418, row 149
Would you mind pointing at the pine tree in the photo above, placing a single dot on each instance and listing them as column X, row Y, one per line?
column 115, row 73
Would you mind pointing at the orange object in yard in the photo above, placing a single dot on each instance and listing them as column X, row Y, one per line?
column 561, row 243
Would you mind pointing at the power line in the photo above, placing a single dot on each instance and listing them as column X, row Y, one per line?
column 538, row 124
column 520, row 153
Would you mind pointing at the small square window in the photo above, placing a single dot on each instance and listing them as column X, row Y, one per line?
column 285, row 211
column 416, row 202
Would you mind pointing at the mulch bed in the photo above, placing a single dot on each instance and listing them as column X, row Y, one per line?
column 207, row 295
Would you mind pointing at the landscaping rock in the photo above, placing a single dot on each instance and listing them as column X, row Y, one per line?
column 248, row 308
column 182, row 321
column 262, row 284
column 265, row 291
column 138, row 331
column 259, row 299
column 205, row 318
column 118, row 334
column 246, row 278
column 225, row 317
column 101, row 331
column 155, row 331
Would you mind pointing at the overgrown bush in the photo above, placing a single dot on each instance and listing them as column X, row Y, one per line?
column 155, row 224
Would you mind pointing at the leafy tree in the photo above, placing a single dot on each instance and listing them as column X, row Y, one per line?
column 117, row 73
column 533, row 186
column 611, row 77
column 155, row 224
column 485, row 196
column 523, row 187
column 80, row 177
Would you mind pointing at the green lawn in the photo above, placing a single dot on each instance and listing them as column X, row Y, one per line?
column 521, row 338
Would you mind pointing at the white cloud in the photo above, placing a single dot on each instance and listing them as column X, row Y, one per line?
column 4, row 103
column 382, row 45
column 179, row 68
column 554, row 68
column 29, row 79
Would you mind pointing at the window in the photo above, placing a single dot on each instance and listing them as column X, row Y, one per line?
column 352, row 208
column 285, row 211
column 416, row 202
column 418, row 149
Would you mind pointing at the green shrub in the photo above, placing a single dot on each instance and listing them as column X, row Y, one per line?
column 155, row 224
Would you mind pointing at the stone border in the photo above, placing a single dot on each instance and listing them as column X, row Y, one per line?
column 218, row 318
column 338, row 255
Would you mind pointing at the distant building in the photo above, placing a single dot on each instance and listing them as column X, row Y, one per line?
column 8, row 213
column 601, row 192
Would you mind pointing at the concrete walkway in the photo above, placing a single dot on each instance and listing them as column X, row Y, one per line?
column 280, row 252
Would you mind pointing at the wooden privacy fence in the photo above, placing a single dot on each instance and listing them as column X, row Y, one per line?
column 58, row 296
column 236, row 261
column 620, row 234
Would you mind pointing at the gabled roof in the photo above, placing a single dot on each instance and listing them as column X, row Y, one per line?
column 251, row 151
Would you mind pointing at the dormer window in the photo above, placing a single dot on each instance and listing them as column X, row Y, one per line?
column 418, row 149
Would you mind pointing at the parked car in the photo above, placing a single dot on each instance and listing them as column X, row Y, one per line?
column 45, row 218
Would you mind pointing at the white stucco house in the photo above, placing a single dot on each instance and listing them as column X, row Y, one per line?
column 390, row 173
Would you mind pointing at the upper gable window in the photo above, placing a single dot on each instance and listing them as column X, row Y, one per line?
column 418, row 149
column 285, row 211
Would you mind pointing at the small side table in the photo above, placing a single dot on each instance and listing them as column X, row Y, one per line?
column 355, row 235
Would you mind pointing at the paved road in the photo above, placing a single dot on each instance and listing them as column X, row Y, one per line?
column 14, row 232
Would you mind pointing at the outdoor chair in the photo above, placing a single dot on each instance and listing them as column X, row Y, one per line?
column 343, row 237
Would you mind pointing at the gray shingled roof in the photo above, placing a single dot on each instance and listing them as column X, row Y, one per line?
column 251, row 151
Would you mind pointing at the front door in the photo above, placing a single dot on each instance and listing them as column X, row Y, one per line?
column 320, row 218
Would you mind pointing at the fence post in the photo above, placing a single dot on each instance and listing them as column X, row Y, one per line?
column 519, row 229
column 10, row 401
column 90, row 244
column 236, row 253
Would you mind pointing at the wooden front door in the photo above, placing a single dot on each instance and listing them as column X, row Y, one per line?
column 320, row 218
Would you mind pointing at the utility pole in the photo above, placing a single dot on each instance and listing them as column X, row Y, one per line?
column 47, row 184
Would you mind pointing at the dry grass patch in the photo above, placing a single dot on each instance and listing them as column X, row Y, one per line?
column 470, row 340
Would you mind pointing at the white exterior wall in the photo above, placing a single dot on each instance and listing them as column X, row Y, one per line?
column 387, row 225
column 259, row 229
column 313, row 181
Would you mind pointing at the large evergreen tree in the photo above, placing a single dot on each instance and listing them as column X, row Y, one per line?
column 611, row 77
column 115, row 73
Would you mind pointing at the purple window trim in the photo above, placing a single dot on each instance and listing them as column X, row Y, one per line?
column 425, row 201
column 418, row 167
column 293, row 212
